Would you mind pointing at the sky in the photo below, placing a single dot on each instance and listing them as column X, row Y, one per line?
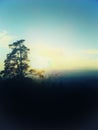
column 61, row 34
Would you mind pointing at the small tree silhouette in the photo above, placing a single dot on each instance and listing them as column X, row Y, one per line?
column 16, row 63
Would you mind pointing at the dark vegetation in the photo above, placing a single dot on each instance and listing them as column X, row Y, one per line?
column 71, row 102
column 49, row 104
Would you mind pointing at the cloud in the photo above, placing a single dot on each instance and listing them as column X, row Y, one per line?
column 91, row 51
column 5, row 38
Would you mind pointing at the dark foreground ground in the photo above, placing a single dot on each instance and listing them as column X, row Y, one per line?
column 70, row 105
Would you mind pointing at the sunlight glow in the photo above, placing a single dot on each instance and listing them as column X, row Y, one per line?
column 50, row 58
column 40, row 63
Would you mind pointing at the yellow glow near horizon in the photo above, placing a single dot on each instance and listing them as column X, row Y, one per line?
column 40, row 62
column 50, row 58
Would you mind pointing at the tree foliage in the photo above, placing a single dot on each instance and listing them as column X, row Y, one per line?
column 16, row 63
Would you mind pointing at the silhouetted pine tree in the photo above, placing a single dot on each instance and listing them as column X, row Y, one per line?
column 16, row 63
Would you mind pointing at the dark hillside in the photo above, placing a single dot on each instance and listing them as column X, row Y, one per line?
column 71, row 103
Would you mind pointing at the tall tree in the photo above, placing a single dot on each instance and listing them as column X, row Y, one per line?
column 16, row 63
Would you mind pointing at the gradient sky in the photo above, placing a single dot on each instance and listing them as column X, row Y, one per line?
column 62, row 34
